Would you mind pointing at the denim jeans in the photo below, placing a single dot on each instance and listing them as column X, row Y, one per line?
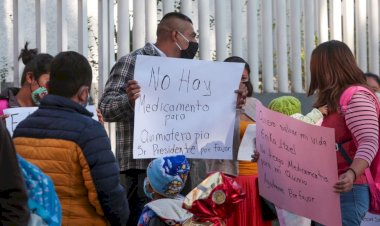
column 354, row 205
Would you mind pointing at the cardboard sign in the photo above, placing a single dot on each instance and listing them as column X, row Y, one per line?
column 185, row 107
column 297, row 166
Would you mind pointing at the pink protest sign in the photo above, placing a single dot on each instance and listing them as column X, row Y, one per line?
column 297, row 166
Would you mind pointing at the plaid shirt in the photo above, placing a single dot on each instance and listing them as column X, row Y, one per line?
column 115, row 107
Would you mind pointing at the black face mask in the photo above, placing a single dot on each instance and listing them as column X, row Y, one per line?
column 191, row 50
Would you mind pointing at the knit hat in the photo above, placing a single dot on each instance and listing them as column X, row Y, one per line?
column 287, row 105
column 168, row 175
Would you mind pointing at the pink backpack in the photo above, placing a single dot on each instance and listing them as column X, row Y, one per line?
column 373, row 173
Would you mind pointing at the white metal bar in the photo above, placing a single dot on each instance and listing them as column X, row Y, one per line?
column 237, row 29
column 82, row 28
column 336, row 22
column 373, row 32
column 167, row 5
column 138, row 31
column 267, row 46
column 18, row 39
column 349, row 24
column 61, row 25
column 186, row 7
column 296, row 75
column 323, row 21
column 204, row 30
column 122, row 28
column 41, row 25
column 361, row 33
column 309, row 37
column 220, row 29
column 151, row 20
column 282, row 48
column 103, row 44
column 253, row 43
column 111, row 36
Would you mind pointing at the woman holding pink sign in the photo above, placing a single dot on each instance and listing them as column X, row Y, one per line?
column 333, row 71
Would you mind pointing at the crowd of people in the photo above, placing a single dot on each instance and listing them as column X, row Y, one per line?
column 85, row 184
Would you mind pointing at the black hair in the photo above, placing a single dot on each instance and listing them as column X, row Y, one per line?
column 176, row 15
column 371, row 75
column 168, row 22
column 237, row 59
column 38, row 64
column 69, row 71
column 249, row 88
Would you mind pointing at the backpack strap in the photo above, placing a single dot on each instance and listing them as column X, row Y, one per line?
column 339, row 147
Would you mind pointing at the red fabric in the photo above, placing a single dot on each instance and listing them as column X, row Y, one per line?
column 248, row 213
column 342, row 134
column 207, row 210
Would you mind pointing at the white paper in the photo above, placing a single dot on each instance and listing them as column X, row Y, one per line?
column 16, row 115
column 371, row 220
column 248, row 143
column 185, row 107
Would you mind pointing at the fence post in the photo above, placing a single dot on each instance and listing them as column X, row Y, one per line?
column 204, row 30
column 82, row 28
column 237, row 36
column 296, row 74
column 348, row 24
column 373, row 32
column 151, row 20
column 123, row 35
column 309, row 37
column 18, row 37
column 282, row 48
column 336, row 19
column 253, row 43
column 267, row 32
column 361, row 33
column 220, row 29
column 138, row 30
column 61, row 25
column 186, row 8
column 168, row 6
column 41, row 25
column 323, row 21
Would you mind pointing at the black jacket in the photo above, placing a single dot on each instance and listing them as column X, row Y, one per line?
column 13, row 197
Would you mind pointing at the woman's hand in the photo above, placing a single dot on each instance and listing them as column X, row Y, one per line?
column 345, row 182
column 100, row 116
column 255, row 156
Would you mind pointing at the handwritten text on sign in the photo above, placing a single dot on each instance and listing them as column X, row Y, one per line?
column 297, row 166
column 186, row 107
column 16, row 115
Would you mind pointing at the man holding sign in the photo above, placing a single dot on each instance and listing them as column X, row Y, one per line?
column 176, row 38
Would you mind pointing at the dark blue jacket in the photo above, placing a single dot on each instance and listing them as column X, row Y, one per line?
column 74, row 150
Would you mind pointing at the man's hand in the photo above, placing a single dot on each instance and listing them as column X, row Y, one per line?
column 133, row 91
column 242, row 95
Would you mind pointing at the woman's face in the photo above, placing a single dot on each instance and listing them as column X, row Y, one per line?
column 43, row 80
column 245, row 76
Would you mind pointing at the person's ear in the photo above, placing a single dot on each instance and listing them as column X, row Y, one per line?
column 29, row 77
column 83, row 94
column 174, row 36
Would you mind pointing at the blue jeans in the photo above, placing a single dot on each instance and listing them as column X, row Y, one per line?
column 354, row 205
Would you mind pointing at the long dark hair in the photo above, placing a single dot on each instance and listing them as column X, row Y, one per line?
column 38, row 64
column 333, row 68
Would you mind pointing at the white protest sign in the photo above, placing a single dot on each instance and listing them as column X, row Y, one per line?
column 248, row 143
column 16, row 115
column 371, row 220
column 185, row 107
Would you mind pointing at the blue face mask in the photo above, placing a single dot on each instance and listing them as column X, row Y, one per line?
column 148, row 194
